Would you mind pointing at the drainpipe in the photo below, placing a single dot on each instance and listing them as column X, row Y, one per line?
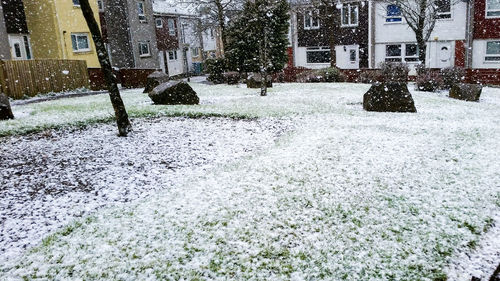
column 469, row 32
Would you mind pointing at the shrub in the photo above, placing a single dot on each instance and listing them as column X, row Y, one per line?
column 429, row 81
column 452, row 76
column 215, row 69
column 329, row 74
column 394, row 71
column 370, row 76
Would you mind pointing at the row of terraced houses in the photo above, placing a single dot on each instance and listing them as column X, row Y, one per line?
column 141, row 35
column 366, row 33
column 146, row 35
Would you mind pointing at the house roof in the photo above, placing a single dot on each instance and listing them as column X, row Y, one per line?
column 178, row 7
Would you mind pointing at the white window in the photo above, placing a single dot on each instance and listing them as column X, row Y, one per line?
column 159, row 23
column 492, row 8
column 493, row 51
column 401, row 53
column 443, row 9
column 311, row 20
column 140, row 11
column 393, row 14
column 183, row 33
column 100, row 5
column 80, row 42
column 318, row 55
column 172, row 55
column 76, row 2
column 144, row 50
column 171, row 27
column 195, row 51
column 349, row 15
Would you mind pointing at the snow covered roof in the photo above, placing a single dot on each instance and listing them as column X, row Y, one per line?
column 175, row 7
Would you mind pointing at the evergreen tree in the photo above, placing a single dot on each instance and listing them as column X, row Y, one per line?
column 257, row 39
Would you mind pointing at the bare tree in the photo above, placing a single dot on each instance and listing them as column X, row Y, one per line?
column 121, row 115
column 421, row 17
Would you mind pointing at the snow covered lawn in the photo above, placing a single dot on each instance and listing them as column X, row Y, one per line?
column 346, row 195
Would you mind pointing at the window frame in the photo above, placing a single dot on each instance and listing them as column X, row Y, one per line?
column 141, row 54
column 195, row 52
column 403, row 56
column 318, row 50
column 141, row 11
column 78, row 50
column 310, row 14
column 389, row 17
column 349, row 8
column 100, row 5
column 76, row 4
column 172, row 30
column 486, row 11
column 174, row 55
column 486, row 55
column 161, row 22
column 445, row 15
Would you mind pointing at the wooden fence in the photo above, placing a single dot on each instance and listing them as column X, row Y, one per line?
column 31, row 77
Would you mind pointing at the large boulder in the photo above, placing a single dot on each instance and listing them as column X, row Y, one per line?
column 232, row 77
column 467, row 92
column 254, row 81
column 5, row 110
column 389, row 97
column 175, row 92
column 154, row 80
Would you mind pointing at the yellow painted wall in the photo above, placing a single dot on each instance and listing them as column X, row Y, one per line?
column 52, row 22
column 40, row 16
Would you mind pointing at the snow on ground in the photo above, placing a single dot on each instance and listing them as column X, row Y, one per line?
column 49, row 179
column 349, row 195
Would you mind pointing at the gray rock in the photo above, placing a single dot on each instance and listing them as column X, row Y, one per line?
column 466, row 92
column 5, row 110
column 232, row 77
column 154, row 80
column 254, row 81
column 176, row 92
column 389, row 97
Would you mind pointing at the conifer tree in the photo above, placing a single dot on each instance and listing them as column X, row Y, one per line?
column 257, row 39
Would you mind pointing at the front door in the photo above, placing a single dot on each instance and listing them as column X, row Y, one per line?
column 444, row 55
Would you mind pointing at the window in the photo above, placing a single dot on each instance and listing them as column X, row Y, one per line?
column 195, row 52
column 76, row 2
column 411, row 53
column 183, row 33
column 401, row 52
column 443, row 9
column 318, row 55
column 393, row 14
column 172, row 55
column 80, row 42
column 100, row 5
column 349, row 15
column 171, row 27
column 311, row 20
column 27, row 47
column 144, row 50
column 352, row 56
column 17, row 50
column 212, row 32
column 492, row 8
column 493, row 51
column 140, row 11
column 159, row 23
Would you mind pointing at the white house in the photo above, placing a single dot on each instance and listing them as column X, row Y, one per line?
column 395, row 41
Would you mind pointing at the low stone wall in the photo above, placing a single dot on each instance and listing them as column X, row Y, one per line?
column 129, row 78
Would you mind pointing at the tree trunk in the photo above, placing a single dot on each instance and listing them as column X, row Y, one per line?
column 222, row 24
column 419, row 33
column 263, row 64
column 114, row 94
column 331, row 27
